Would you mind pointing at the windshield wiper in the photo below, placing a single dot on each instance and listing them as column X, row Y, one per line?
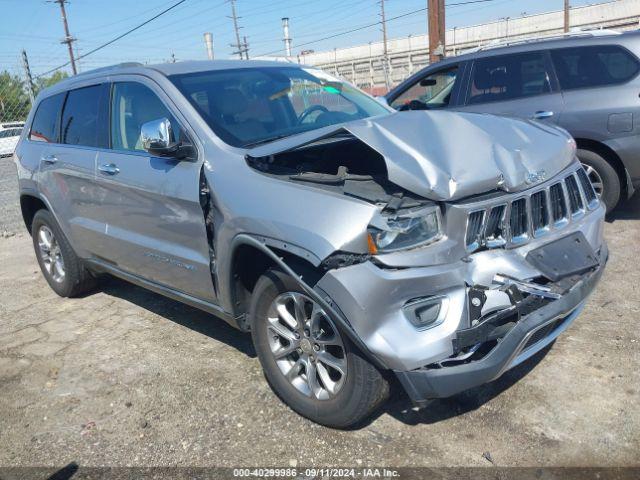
column 265, row 140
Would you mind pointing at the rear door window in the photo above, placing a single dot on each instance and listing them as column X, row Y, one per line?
column 596, row 66
column 46, row 121
column 83, row 118
column 509, row 77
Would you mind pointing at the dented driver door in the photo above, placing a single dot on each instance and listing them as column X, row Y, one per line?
column 151, row 221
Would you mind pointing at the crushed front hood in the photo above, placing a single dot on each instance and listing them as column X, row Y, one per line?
column 443, row 155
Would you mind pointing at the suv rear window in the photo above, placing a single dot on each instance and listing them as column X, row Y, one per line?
column 508, row 77
column 583, row 67
column 47, row 120
column 80, row 118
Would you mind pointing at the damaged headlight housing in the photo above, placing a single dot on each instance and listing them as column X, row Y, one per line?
column 414, row 229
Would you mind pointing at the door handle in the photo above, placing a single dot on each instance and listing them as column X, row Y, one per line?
column 541, row 114
column 109, row 168
column 51, row 159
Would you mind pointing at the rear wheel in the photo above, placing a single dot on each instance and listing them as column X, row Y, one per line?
column 603, row 177
column 60, row 266
column 306, row 359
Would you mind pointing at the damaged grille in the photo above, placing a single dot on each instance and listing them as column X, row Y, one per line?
column 531, row 215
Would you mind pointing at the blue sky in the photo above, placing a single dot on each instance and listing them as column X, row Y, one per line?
column 35, row 25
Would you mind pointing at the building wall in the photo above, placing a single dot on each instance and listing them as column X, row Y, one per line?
column 363, row 64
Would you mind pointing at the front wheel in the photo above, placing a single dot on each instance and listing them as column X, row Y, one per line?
column 307, row 361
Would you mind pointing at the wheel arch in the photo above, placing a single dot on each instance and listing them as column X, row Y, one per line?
column 251, row 258
column 610, row 156
column 29, row 205
column 303, row 271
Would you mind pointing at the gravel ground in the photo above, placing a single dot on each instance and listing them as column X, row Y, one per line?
column 127, row 377
column 10, row 219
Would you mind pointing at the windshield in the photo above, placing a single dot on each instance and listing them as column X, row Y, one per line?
column 248, row 106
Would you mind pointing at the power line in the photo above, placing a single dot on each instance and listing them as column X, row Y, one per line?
column 116, row 38
column 364, row 27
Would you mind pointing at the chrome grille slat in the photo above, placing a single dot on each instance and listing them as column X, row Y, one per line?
column 519, row 221
column 539, row 213
column 494, row 233
column 532, row 214
column 475, row 222
column 587, row 189
column 575, row 197
column 558, row 204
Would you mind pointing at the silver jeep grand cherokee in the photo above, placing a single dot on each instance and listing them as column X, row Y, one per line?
column 356, row 243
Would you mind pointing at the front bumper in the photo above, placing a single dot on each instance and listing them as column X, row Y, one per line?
column 531, row 334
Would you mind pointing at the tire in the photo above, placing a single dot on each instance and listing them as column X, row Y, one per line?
column 75, row 278
column 356, row 394
column 597, row 166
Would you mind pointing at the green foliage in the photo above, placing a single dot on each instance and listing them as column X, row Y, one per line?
column 14, row 95
column 44, row 82
column 14, row 99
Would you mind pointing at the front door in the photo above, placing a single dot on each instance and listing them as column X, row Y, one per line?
column 520, row 85
column 152, row 221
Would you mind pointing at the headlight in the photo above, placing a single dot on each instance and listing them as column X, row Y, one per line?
column 410, row 231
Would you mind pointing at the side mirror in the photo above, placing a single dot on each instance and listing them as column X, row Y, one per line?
column 158, row 138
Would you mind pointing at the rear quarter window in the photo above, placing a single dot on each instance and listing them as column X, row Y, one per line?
column 46, row 121
column 596, row 66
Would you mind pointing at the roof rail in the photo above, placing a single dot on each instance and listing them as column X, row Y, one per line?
column 110, row 67
column 542, row 38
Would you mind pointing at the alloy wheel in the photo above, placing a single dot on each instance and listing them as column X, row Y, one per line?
column 51, row 254
column 306, row 345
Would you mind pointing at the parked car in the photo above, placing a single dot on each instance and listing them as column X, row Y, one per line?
column 354, row 242
column 9, row 136
column 585, row 82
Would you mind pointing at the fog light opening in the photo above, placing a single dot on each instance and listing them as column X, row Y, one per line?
column 426, row 312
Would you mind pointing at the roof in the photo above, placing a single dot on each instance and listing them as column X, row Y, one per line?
column 189, row 66
column 164, row 69
column 572, row 39
column 207, row 65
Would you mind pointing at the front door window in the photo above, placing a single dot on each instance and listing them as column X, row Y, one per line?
column 432, row 91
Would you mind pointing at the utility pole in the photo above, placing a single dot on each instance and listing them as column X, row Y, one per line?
column 68, row 39
column 385, row 50
column 566, row 16
column 234, row 17
column 245, row 47
column 435, row 11
column 208, row 43
column 27, row 73
column 287, row 38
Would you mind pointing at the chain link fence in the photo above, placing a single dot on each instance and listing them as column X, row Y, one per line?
column 16, row 98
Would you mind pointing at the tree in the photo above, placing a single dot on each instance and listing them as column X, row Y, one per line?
column 14, row 99
column 44, row 82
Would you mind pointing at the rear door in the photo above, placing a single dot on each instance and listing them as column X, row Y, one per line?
column 68, row 155
column 151, row 221
column 599, row 94
column 521, row 85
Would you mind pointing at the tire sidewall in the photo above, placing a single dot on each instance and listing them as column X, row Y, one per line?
column 44, row 217
column 336, row 411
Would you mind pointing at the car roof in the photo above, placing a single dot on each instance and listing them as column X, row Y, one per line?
column 571, row 39
column 164, row 69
